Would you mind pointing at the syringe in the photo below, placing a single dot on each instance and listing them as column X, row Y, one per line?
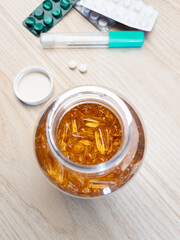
column 112, row 39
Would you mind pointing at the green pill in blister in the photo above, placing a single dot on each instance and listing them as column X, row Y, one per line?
column 65, row 4
column 38, row 13
column 30, row 21
column 47, row 14
column 57, row 13
column 48, row 20
column 47, row 5
column 38, row 27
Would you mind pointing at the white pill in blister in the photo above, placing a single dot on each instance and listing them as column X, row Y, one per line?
column 143, row 22
column 131, row 18
column 113, row 9
column 72, row 64
column 127, row 3
column 148, row 11
column 120, row 15
column 116, row 1
column 83, row 68
column 94, row 16
column 78, row 3
column 103, row 22
column 107, row 11
column 138, row 6
column 86, row 10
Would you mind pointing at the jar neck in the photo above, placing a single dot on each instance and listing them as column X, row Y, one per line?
column 83, row 95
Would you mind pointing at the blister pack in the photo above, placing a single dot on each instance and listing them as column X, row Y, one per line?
column 132, row 13
column 102, row 23
column 48, row 14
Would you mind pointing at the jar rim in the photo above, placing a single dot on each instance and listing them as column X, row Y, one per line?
column 90, row 94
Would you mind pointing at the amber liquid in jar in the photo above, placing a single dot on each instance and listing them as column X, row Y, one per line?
column 89, row 134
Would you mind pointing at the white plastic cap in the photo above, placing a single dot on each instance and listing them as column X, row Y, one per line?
column 42, row 94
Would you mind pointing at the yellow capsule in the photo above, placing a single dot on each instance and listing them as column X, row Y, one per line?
column 85, row 142
column 87, row 134
column 63, row 146
column 107, row 139
column 92, row 124
column 90, row 120
column 74, row 126
column 77, row 135
column 99, row 142
column 78, row 148
column 110, row 148
column 117, row 142
column 67, row 128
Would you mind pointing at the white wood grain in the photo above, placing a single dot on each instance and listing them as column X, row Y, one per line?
column 146, row 208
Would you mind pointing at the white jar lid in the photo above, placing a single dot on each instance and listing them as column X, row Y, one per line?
column 33, row 85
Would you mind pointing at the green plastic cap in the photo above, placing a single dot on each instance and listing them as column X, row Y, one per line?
column 124, row 39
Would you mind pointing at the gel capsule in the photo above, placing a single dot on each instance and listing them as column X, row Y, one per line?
column 89, row 137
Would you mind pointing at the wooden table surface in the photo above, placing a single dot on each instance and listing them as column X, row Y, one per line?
column 146, row 208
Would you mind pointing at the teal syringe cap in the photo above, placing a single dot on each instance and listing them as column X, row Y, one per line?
column 125, row 39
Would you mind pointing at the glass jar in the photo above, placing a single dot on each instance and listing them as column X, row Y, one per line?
column 90, row 180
